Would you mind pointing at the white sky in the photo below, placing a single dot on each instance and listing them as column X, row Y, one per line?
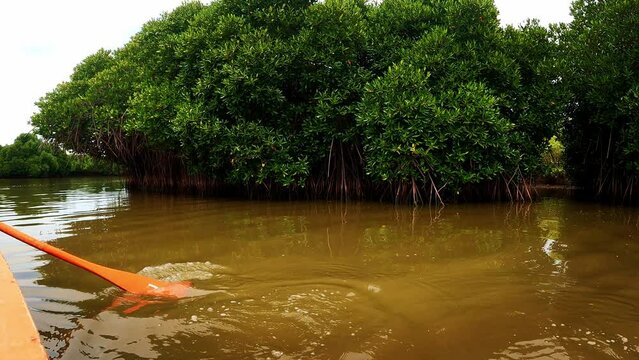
column 43, row 40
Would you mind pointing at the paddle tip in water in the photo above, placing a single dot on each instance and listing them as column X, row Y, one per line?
column 156, row 288
column 174, row 290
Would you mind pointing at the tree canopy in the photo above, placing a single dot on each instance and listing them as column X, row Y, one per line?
column 406, row 99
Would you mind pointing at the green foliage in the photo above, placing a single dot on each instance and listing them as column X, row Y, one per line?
column 601, row 56
column 467, row 103
column 336, row 94
column 29, row 156
column 413, row 131
column 535, row 98
column 26, row 157
column 554, row 161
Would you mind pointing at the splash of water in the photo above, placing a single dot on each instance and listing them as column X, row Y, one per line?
column 174, row 272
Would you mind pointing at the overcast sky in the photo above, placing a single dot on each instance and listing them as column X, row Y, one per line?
column 42, row 41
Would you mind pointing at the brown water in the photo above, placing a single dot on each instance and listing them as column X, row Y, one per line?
column 318, row 280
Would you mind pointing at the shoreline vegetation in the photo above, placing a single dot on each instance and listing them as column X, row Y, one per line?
column 421, row 102
column 30, row 157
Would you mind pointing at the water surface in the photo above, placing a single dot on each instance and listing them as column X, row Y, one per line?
column 322, row 280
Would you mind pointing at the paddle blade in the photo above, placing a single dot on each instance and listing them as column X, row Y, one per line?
column 142, row 285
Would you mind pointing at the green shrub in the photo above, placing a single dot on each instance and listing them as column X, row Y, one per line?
column 601, row 133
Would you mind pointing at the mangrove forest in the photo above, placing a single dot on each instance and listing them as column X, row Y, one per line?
column 31, row 157
column 420, row 101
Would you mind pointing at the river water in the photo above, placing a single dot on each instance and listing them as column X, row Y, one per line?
column 323, row 280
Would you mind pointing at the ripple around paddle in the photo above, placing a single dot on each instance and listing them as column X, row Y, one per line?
column 174, row 272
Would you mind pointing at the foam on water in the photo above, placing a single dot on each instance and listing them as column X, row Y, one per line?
column 173, row 272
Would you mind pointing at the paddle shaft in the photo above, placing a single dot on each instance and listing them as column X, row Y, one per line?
column 130, row 282
column 51, row 250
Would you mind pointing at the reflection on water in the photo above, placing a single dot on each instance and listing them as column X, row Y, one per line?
column 317, row 280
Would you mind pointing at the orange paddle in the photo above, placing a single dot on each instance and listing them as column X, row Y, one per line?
column 133, row 283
